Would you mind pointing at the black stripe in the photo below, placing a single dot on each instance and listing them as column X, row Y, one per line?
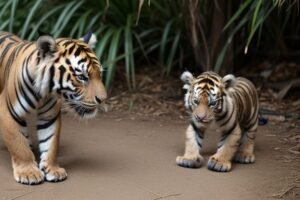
column 68, row 77
column 14, row 115
column 77, row 52
column 62, row 71
column 46, row 139
column 61, row 75
column 28, row 86
column 45, row 151
column 4, row 52
column 68, row 61
column 227, row 132
column 82, row 61
column 2, row 39
column 229, row 117
column 17, row 95
column 28, row 45
column 70, row 51
column 51, row 81
column 67, row 42
column 197, row 130
column 207, row 81
column 197, row 140
column 27, row 72
column 28, row 100
column 49, row 123
column 222, row 116
column 11, row 58
column 198, row 134
column 14, row 39
column 45, row 111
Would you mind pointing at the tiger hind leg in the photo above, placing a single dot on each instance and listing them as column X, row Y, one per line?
column 245, row 153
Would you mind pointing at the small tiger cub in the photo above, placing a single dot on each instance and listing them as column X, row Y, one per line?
column 233, row 104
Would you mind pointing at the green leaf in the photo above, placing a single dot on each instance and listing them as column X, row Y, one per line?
column 67, row 17
column 112, row 54
column 103, row 42
column 12, row 15
column 171, row 56
column 29, row 17
column 128, row 47
column 5, row 8
column 238, row 13
column 164, row 40
column 43, row 20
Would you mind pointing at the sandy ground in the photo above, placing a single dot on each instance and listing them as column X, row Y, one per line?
column 124, row 159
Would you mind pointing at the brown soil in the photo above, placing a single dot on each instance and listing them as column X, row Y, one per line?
column 120, row 157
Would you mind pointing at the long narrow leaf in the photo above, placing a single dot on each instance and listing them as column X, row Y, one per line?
column 5, row 8
column 172, row 54
column 62, row 16
column 103, row 42
column 128, row 50
column 12, row 15
column 256, row 26
column 112, row 54
column 237, row 13
column 29, row 17
column 164, row 38
column 43, row 20
column 67, row 18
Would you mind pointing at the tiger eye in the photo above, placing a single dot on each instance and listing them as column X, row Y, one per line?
column 196, row 101
column 212, row 103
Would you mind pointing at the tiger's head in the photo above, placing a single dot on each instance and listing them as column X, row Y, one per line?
column 70, row 69
column 205, row 94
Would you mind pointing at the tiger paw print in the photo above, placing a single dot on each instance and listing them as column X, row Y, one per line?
column 218, row 164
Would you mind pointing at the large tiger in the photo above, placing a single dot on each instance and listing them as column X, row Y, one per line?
column 233, row 104
column 35, row 77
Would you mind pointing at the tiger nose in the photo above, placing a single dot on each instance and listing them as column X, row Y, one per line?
column 199, row 117
column 99, row 99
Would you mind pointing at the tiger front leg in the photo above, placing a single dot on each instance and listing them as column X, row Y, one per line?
column 25, row 169
column 48, row 137
column 227, row 147
column 193, row 145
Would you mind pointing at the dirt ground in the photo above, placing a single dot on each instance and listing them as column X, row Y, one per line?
column 123, row 157
column 129, row 152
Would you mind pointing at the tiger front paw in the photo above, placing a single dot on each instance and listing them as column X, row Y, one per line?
column 195, row 162
column 55, row 173
column 244, row 158
column 218, row 164
column 29, row 174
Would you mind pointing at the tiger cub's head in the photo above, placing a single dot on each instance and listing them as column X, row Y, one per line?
column 70, row 69
column 205, row 94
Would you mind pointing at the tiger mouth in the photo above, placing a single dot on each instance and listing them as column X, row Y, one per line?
column 85, row 110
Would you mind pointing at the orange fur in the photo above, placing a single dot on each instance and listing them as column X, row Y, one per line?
column 37, row 77
column 233, row 104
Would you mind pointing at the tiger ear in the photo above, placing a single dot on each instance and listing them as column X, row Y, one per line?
column 90, row 38
column 187, row 77
column 46, row 46
column 229, row 81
